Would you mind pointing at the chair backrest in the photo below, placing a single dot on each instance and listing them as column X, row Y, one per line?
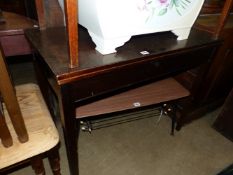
column 10, row 100
column 44, row 9
column 49, row 13
column 223, row 17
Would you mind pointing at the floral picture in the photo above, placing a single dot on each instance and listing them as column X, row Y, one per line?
column 162, row 7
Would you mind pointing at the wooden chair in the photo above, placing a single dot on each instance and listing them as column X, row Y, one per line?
column 215, row 23
column 26, row 127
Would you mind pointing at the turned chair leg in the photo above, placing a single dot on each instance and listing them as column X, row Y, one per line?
column 37, row 165
column 54, row 160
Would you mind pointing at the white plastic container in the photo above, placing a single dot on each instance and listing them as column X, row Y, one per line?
column 111, row 23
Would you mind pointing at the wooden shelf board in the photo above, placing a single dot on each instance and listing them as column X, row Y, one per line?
column 154, row 93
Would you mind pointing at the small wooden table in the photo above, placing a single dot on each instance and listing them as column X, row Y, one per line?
column 12, row 36
column 101, row 76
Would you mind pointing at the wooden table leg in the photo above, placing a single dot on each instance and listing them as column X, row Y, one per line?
column 67, row 114
column 71, row 128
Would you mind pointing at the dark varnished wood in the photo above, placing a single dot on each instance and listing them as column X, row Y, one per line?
column 219, row 77
column 223, row 123
column 212, row 6
column 154, row 93
column 45, row 16
column 37, row 165
column 41, row 13
column 49, row 13
column 54, row 161
column 15, row 6
column 223, row 17
column 51, row 45
column 99, row 76
column 216, row 25
column 72, row 31
column 15, row 24
column 12, row 36
column 5, row 135
column 10, row 100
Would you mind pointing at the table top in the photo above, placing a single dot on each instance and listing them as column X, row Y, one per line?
column 15, row 24
column 52, row 46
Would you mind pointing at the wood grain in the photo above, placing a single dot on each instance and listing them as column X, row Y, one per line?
column 72, row 31
column 42, row 132
column 154, row 93
column 9, row 98
column 223, row 18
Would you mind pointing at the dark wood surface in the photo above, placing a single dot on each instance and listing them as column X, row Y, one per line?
column 219, row 77
column 212, row 6
column 9, row 97
column 5, row 135
column 15, row 24
column 49, row 13
column 223, row 17
column 223, row 123
column 15, row 6
column 72, row 31
column 13, row 41
column 52, row 46
column 100, row 76
column 154, row 93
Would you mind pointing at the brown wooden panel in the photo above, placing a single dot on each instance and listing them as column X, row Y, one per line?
column 154, row 93
column 15, row 45
column 15, row 24
column 212, row 6
column 125, row 77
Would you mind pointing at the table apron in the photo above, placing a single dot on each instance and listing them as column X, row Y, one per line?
column 126, row 77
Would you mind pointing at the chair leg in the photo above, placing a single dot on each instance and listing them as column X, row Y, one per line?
column 54, row 160
column 37, row 165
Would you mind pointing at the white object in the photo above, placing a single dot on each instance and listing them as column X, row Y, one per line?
column 111, row 23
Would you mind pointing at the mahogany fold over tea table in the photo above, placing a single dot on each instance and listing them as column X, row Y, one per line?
column 100, row 76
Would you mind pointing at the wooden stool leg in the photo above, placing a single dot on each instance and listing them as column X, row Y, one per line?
column 54, row 160
column 37, row 165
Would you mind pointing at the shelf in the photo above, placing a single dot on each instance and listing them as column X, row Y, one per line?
column 154, row 93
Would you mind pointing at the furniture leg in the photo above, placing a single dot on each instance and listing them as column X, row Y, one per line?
column 54, row 160
column 170, row 110
column 173, row 117
column 37, row 165
column 70, row 128
column 5, row 135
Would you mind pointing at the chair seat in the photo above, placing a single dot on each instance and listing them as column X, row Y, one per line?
column 41, row 130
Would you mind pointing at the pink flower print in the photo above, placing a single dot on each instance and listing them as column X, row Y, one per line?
column 163, row 1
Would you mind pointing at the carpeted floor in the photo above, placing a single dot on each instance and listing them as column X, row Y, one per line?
column 142, row 147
